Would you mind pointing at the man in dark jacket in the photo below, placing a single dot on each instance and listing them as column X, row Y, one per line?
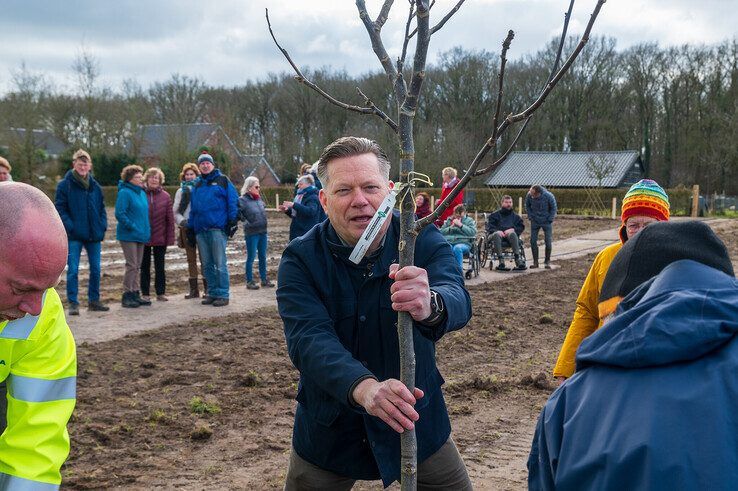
column 214, row 218
column 652, row 402
column 79, row 201
column 540, row 206
column 340, row 325
column 505, row 225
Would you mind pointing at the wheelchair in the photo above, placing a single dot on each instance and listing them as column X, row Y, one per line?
column 487, row 252
column 472, row 263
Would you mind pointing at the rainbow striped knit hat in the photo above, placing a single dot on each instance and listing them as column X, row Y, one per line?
column 646, row 198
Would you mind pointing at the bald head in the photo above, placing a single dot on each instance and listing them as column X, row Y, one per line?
column 33, row 249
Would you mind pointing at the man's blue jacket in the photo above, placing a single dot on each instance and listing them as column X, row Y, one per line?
column 541, row 210
column 653, row 404
column 213, row 203
column 337, row 336
column 82, row 210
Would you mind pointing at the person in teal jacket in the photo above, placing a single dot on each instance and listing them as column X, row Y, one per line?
column 652, row 404
column 133, row 231
column 38, row 361
column 460, row 231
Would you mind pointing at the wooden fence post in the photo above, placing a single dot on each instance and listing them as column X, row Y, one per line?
column 614, row 207
column 433, row 203
column 695, row 200
column 276, row 201
column 520, row 205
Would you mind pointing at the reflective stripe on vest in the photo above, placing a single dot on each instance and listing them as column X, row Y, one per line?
column 19, row 328
column 19, row 484
column 29, row 389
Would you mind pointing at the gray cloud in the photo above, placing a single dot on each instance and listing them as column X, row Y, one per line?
column 226, row 42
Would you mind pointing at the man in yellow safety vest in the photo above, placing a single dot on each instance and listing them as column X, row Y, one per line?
column 38, row 361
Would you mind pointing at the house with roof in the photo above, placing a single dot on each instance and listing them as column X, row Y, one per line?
column 605, row 169
column 154, row 142
column 38, row 139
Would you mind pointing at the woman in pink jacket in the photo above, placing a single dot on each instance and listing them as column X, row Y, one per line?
column 161, row 219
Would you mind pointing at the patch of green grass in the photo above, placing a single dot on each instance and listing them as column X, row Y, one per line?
column 200, row 406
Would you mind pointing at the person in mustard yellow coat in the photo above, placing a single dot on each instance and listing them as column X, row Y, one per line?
column 645, row 202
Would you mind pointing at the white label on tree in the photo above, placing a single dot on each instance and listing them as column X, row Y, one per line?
column 375, row 225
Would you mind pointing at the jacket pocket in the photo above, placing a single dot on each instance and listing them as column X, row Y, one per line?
column 319, row 405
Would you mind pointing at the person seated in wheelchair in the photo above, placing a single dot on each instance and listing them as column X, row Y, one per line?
column 504, row 228
column 461, row 231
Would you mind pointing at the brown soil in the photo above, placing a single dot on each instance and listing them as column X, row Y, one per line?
column 138, row 424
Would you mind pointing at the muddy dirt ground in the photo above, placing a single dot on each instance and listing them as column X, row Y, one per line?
column 210, row 405
column 112, row 261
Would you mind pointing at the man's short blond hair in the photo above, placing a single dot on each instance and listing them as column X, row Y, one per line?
column 449, row 171
column 81, row 153
column 4, row 163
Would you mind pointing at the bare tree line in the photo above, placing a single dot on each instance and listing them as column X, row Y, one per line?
column 678, row 105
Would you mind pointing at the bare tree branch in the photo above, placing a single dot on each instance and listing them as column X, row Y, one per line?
column 401, row 62
column 378, row 111
column 442, row 22
column 379, row 50
column 372, row 109
column 525, row 115
column 421, row 53
column 383, row 14
column 501, row 78
column 513, row 118
column 445, row 19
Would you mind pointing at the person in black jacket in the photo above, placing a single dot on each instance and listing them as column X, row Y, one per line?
column 79, row 201
column 505, row 225
column 252, row 212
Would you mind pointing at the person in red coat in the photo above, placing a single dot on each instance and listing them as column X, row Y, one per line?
column 161, row 218
column 449, row 181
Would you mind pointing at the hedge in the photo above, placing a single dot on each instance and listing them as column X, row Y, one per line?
column 570, row 201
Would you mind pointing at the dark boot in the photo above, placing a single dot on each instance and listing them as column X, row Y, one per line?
column 547, row 261
column 220, row 302
column 141, row 301
column 97, row 306
column 129, row 300
column 194, row 292
column 519, row 263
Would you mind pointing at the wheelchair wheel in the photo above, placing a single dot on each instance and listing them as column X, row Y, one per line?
column 476, row 264
column 482, row 252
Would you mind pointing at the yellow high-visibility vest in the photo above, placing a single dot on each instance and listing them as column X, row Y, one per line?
column 38, row 362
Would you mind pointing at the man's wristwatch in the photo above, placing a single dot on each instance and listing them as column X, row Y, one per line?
column 438, row 310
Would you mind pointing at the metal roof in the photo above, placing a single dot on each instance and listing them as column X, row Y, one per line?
column 565, row 169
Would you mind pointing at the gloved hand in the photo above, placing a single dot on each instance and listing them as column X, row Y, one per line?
column 231, row 228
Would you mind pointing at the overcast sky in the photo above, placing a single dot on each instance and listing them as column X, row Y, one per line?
column 226, row 42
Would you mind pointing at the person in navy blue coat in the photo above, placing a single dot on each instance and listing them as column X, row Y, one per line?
column 305, row 210
column 340, row 326
column 79, row 201
column 652, row 404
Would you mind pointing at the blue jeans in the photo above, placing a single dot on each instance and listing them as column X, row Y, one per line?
column 93, row 256
column 254, row 243
column 212, row 246
column 459, row 251
column 547, row 238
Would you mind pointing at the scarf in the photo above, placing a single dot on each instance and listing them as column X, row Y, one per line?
column 83, row 181
column 186, row 194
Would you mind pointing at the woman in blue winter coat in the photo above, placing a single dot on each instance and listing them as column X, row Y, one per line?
column 305, row 211
column 133, row 230
column 252, row 211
